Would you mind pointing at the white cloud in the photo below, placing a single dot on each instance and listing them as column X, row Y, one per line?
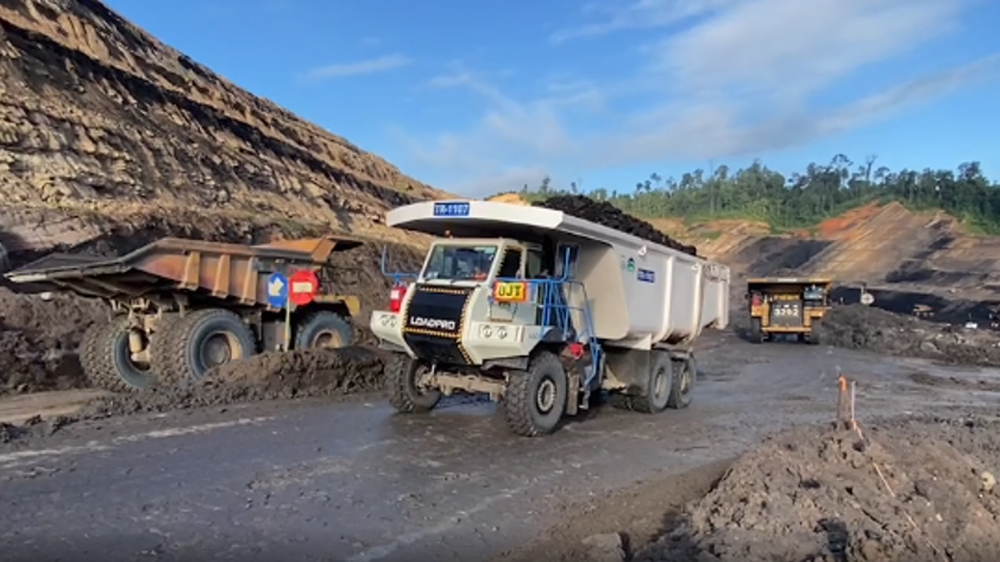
column 639, row 14
column 741, row 79
column 380, row 64
column 799, row 46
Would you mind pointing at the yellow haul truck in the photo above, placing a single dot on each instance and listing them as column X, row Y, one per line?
column 782, row 305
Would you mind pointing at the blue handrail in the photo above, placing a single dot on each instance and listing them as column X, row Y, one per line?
column 398, row 276
column 556, row 310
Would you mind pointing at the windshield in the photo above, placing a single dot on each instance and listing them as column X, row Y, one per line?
column 814, row 293
column 460, row 263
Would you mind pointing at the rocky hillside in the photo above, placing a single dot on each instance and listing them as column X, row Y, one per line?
column 103, row 125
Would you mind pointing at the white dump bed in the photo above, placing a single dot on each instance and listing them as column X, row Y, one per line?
column 638, row 292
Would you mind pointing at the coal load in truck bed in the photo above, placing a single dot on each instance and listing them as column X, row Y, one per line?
column 608, row 215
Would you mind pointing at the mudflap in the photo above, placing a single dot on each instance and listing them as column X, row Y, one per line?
column 631, row 367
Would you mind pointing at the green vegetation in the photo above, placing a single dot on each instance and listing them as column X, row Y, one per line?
column 803, row 199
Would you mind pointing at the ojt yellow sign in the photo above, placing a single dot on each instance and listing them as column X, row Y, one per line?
column 511, row 291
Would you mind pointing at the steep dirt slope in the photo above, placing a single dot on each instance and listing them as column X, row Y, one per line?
column 893, row 246
column 96, row 114
column 873, row 241
column 110, row 139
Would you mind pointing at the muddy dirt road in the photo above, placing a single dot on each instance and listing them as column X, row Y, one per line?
column 317, row 481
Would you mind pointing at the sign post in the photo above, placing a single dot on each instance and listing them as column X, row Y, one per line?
column 288, row 321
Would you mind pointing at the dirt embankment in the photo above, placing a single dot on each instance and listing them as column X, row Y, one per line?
column 38, row 340
column 909, row 491
column 334, row 374
column 862, row 327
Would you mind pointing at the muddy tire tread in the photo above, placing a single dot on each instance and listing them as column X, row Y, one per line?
column 621, row 401
column 161, row 351
column 98, row 365
column 676, row 401
column 177, row 337
column 519, row 397
column 398, row 374
column 329, row 318
column 644, row 403
column 756, row 331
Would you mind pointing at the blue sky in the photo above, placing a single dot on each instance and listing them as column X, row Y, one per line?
column 480, row 97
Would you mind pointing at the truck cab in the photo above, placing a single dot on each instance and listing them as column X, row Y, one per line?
column 475, row 301
column 782, row 305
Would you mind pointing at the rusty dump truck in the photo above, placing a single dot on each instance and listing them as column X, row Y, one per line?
column 787, row 305
column 179, row 307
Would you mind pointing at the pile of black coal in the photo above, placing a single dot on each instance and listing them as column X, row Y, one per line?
column 608, row 215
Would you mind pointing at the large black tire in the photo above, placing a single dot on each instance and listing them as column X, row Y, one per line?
column 814, row 335
column 107, row 361
column 659, row 381
column 620, row 401
column 535, row 400
column 161, row 351
column 404, row 395
column 204, row 339
column 325, row 329
column 756, row 331
column 685, row 376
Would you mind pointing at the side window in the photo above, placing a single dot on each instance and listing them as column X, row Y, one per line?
column 561, row 249
column 511, row 265
column 533, row 267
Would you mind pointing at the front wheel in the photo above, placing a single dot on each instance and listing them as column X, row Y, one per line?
column 535, row 400
column 814, row 333
column 406, row 394
column 756, row 331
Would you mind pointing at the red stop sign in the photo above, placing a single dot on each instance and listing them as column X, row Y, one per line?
column 302, row 287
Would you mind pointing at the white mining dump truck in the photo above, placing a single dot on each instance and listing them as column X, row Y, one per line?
column 540, row 309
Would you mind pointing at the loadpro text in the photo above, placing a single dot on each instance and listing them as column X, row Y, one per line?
column 433, row 323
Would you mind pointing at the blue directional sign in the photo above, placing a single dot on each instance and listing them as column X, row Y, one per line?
column 277, row 290
column 452, row 209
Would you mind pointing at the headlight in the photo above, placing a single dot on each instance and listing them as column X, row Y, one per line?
column 502, row 333
column 486, row 331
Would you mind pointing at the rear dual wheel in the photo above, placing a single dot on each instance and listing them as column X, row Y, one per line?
column 189, row 346
column 670, row 384
column 107, row 360
column 323, row 329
